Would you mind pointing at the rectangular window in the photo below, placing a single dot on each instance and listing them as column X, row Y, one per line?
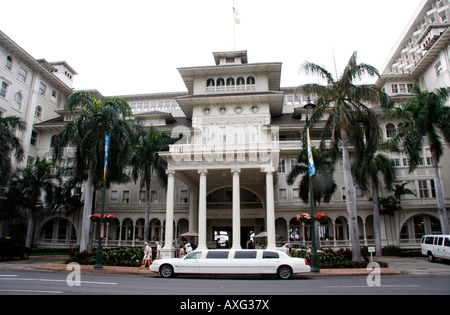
column 270, row 255
column 282, row 166
column 34, row 138
column 245, row 255
column 114, row 196
column 126, row 196
column 4, row 89
column 22, row 74
column 217, row 255
column 423, row 189
column 206, row 135
column 282, row 194
column 42, row 88
column 438, row 68
column 184, row 196
column 154, row 196
column 394, row 88
column 295, row 194
column 141, row 196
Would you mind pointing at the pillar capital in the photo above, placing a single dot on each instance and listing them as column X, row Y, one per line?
column 235, row 170
column 170, row 172
column 203, row 171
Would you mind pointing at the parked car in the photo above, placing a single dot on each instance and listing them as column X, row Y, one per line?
column 246, row 261
column 10, row 248
column 299, row 247
column 435, row 246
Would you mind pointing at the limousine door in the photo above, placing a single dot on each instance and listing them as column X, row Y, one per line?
column 190, row 263
column 269, row 262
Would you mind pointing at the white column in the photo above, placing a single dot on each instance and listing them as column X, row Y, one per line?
column 193, row 206
column 270, row 208
column 236, row 210
column 202, row 210
column 167, row 251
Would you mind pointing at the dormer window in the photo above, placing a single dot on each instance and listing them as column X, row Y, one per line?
column 230, row 60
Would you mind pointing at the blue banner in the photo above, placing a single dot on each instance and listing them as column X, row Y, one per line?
column 106, row 155
column 312, row 167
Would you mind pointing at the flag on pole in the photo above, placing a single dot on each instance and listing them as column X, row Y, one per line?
column 106, row 155
column 312, row 167
column 237, row 18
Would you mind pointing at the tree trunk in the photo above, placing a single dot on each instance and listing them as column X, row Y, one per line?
column 30, row 229
column 147, row 210
column 376, row 218
column 439, row 194
column 350, row 199
column 85, row 221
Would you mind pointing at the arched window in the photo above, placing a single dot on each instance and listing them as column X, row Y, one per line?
column 17, row 100
column 240, row 84
column 9, row 61
column 38, row 112
column 250, row 80
column 231, row 84
column 210, row 83
column 390, row 130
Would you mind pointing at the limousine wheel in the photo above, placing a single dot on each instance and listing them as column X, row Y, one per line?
column 284, row 272
column 166, row 271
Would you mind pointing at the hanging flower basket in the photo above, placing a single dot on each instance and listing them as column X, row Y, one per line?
column 108, row 217
column 94, row 217
column 321, row 217
column 304, row 217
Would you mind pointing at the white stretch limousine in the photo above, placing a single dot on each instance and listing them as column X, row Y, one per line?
column 216, row 261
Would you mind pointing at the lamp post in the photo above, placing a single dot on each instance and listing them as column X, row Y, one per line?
column 314, row 263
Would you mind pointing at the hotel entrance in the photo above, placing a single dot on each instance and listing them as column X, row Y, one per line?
column 223, row 236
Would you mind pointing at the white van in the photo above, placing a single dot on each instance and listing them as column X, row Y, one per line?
column 436, row 246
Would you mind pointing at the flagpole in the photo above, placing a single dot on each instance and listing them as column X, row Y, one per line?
column 234, row 29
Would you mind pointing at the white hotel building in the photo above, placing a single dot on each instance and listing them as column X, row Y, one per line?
column 241, row 137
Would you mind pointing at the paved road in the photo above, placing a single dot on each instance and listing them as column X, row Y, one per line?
column 60, row 283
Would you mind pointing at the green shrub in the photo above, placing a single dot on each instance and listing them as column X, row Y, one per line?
column 130, row 256
column 341, row 258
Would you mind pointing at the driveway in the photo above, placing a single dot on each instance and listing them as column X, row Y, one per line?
column 417, row 265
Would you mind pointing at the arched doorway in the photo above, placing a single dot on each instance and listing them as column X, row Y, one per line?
column 417, row 225
column 58, row 231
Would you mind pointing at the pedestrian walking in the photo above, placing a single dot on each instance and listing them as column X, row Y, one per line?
column 147, row 255
column 158, row 251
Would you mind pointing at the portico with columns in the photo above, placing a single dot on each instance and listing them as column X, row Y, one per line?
column 228, row 158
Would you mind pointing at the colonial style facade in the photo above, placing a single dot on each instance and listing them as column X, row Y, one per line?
column 240, row 136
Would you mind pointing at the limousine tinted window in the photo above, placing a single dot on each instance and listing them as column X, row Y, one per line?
column 245, row 254
column 270, row 255
column 217, row 255
column 194, row 255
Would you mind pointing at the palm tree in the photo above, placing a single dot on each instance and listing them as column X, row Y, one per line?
column 343, row 101
column 426, row 118
column 9, row 144
column 323, row 182
column 25, row 191
column 86, row 134
column 369, row 164
column 145, row 160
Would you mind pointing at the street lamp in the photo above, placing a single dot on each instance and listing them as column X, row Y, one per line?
column 314, row 264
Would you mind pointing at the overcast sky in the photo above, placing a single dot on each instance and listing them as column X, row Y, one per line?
column 136, row 46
